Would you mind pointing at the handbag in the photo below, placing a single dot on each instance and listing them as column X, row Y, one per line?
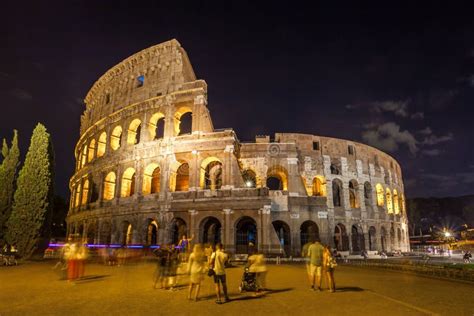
column 211, row 272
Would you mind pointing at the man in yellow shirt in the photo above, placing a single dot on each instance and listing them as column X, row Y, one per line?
column 218, row 260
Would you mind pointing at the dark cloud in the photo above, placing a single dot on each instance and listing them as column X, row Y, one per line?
column 398, row 108
column 433, row 139
column 431, row 152
column 21, row 94
column 417, row 116
column 388, row 137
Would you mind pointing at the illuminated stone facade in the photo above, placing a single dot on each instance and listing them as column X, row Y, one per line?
column 151, row 167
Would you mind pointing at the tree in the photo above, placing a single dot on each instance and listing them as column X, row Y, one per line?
column 33, row 197
column 8, row 170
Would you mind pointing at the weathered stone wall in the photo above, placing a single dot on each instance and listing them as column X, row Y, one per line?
column 203, row 176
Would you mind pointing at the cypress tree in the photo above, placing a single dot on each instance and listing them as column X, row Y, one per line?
column 33, row 195
column 8, row 170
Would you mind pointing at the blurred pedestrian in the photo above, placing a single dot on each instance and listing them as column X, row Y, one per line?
column 305, row 255
column 81, row 257
column 218, row 260
column 329, row 263
column 258, row 266
column 172, row 266
column 315, row 253
column 161, row 272
column 184, row 246
column 196, row 268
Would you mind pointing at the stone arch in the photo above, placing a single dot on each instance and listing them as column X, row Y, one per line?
column 151, row 179
column 91, row 153
column 85, row 192
column 319, row 186
column 84, row 155
column 396, row 206
column 116, row 138
column 354, row 194
column 277, row 178
column 156, row 126
column 109, row 186
column 210, row 231
column 105, row 233
column 357, row 238
column 179, row 177
column 134, row 132
column 383, row 238
column 309, row 232
column 178, row 229
column 211, row 173
column 367, row 193
column 127, row 187
column 151, row 234
column 372, row 238
column 334, row 169
column 388, row 196
column 337, row 192
column 245, row 234
column 250, row 178
column 102, row 144
column 284, row 235
column 126, row 233
column 91, row 233
column 380, row 194
column 183, row 120
column 341, row 240
column 77, row 199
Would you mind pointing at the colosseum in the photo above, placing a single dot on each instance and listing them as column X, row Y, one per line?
column 151, row 167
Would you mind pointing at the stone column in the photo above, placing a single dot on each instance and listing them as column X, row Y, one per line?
column 227, row 175
column 263, row 233
column 193, row 229
column 194, row 172
column 294, row 179
column 227, row 236
column 345, row 196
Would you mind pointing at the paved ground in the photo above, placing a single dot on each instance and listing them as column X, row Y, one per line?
column 34, row 289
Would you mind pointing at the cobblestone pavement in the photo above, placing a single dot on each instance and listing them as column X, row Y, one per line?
column 35, row 289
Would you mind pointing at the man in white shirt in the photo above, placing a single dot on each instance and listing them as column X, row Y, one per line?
column 218, row 259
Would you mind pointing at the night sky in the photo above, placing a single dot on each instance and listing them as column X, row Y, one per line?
column 398, row 78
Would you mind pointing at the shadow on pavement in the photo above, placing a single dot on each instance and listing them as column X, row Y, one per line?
column 91, row 278
column 349, row 289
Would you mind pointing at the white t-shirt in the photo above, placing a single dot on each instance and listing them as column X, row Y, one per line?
column 219, row 257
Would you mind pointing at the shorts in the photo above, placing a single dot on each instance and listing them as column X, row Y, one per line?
column 219, row 277
column 315, row 270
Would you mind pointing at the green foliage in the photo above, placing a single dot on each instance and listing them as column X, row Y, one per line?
column 33, row 196
column 8, row 170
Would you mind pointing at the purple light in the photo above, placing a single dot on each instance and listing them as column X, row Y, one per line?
column 135, row 246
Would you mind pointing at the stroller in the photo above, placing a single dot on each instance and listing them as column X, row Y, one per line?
column 249, row 281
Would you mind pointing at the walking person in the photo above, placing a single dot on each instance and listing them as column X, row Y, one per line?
column 315, row 253
column 218, row 260
column 196, row 268
column 305, row 255
column 257, row 265
column 329, row 263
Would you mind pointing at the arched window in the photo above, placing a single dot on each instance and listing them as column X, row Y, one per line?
column 128, row 183
column 367, row 193
column 157, row 126
column 337, row 192
column 183, row 121
column 380, row 198
column 85, row 192
column 211, row 174
column 396, row 206
column 389, row 201
column 335, row 169
column 353, row 194
column 102, row 144
column 134, row 132
column 250, row 178
column 84, row 156
column 91, row 153
column 109, row 186
column 77, row 199
column 116, row 138
column 179, row 178
column 151, row 179
column 319, row 186
column 277, row 178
